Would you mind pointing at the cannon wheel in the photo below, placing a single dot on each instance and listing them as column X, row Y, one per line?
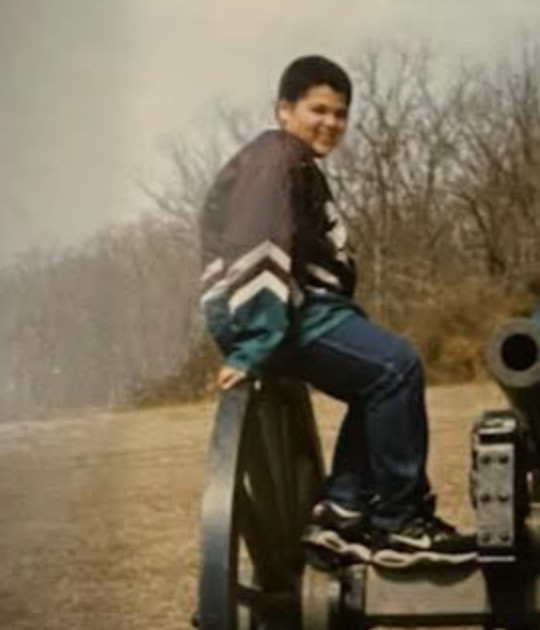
column 265, row 472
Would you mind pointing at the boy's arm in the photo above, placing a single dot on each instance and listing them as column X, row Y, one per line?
column 259, row 312
column 260, row 273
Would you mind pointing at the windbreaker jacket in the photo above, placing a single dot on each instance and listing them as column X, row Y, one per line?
column 274, row 251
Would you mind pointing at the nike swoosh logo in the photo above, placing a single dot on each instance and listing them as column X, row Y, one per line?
column 421, row 543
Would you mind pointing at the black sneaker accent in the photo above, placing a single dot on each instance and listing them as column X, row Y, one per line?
column 336, row 536
column 425, row 540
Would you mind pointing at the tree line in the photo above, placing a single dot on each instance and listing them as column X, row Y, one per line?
column 438, row 181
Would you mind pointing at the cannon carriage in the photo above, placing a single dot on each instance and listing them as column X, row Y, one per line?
column 266, row 471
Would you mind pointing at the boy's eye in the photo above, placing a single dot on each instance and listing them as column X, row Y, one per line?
column 340, row 114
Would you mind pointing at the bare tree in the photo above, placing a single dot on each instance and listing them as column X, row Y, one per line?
column 438, row 182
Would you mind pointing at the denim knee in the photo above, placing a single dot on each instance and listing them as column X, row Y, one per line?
column 405, row 361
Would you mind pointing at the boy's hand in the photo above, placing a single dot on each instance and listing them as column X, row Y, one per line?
column 229, row 377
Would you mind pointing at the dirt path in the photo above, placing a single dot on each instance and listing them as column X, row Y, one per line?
column 99, row 514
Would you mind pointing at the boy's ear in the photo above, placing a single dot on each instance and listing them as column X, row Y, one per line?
column 283, row 111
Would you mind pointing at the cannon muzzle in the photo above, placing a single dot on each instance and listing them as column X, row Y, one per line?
column 513, row 356
column 513, row 359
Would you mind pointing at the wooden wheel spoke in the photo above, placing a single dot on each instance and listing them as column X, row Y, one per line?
column 280, row 457
column 291, row 454
column 265, row 602
column 262, row 482
column 253, row 528
column 265, row 483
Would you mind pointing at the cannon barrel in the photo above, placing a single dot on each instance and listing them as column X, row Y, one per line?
column 513, row 360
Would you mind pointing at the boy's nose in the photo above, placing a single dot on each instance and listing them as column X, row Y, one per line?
column 332, row 122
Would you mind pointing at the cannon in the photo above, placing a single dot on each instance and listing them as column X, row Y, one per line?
column 265, row 472
column 513, row 359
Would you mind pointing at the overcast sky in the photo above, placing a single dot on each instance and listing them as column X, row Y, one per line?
column 90, row 93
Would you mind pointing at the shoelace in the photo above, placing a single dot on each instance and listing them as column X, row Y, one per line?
column 436, row 524
column 431, row 525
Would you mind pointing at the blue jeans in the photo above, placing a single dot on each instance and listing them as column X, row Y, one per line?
column 379, row 463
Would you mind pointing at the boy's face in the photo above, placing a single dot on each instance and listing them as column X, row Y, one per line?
column 318, row 118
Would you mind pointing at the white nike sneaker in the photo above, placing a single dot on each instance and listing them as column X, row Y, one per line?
column 336, row 535
column 425, row 541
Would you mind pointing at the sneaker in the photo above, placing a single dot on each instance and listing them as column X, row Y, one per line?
column 425, row 541
column 336, row 536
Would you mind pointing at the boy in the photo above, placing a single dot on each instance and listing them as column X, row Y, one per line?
column 277, row 287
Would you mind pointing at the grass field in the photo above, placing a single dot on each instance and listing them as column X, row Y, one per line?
column 99, row 512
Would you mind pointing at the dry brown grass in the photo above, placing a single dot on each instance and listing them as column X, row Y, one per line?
column 99, row 513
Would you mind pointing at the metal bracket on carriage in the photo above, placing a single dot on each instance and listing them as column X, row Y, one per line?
column 496, row 485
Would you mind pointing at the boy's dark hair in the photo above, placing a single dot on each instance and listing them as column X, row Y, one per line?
column 310, row 71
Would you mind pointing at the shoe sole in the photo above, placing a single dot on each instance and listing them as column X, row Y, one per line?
column 326, row 550
column 392, row 559
column 328, row 542
column 323, row 550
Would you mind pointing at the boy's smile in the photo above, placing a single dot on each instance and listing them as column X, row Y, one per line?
column 318, row 118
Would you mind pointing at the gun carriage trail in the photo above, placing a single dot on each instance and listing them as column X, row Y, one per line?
column 99, row 517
